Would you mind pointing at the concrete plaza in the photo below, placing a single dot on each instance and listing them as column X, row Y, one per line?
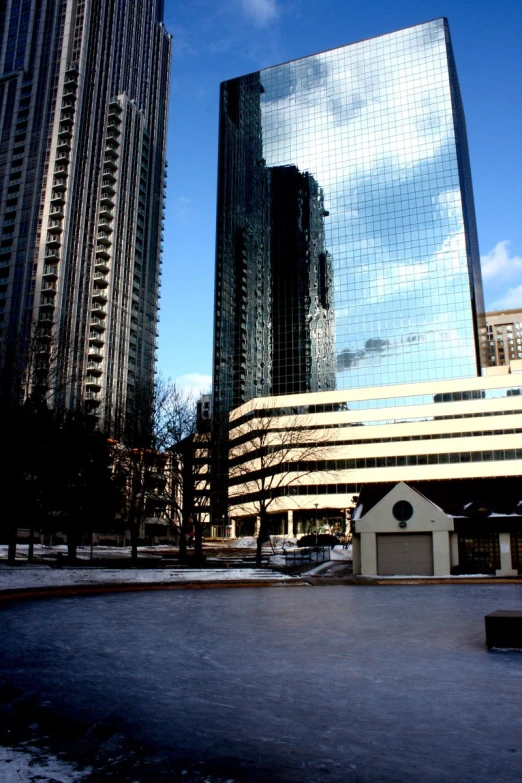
column 352, row 684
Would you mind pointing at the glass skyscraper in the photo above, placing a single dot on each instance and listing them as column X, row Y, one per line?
column 347, row 251
column 83, row 113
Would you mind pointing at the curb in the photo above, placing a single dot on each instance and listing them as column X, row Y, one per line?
column 364, row 581
column 370, row 581
column 66, row 591
column 325, row 581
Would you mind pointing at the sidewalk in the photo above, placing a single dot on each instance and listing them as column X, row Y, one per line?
column 43, row 581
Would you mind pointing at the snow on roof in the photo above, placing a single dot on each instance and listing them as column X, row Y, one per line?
column 484, row 517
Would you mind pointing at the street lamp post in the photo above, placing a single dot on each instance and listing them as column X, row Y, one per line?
column 316, row 527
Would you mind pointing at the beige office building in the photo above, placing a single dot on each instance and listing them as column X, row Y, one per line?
column 459, row 429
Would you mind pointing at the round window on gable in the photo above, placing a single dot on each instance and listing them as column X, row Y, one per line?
column 402, row 511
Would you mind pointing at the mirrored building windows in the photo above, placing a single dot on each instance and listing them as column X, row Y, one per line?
column 347, row 254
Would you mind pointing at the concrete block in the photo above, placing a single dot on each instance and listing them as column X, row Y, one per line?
column 504, row 629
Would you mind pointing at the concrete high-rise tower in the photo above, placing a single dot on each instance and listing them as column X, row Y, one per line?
column 371, row 277
column 83, row 113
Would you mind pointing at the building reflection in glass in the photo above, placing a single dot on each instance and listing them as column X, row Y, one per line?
column 303, row 340
column 344, row 179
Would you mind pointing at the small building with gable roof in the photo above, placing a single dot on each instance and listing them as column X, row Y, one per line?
column 401, row 532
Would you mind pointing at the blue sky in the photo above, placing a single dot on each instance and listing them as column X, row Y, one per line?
column 220, row 39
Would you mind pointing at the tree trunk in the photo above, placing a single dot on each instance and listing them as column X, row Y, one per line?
column 262, row 536
column 30, row 552
column 135, row 534
column 258, row 549
column 11, row 552
column 198, row 542
column 182, row 554
column 72, row 544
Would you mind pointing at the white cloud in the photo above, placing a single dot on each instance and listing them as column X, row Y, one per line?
column 499, row 264
column 511, row 301
column 261, row 12
column 195, row 383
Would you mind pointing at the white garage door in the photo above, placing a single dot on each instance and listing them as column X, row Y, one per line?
column 405, row 554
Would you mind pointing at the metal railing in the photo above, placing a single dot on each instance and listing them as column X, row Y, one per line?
column 305, row 554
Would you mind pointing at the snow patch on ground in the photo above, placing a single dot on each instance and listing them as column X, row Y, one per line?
column 26, row 767
column 339, row 553
column 250, row 542
column 12, row 577
column 318, row 569
column 283, row 542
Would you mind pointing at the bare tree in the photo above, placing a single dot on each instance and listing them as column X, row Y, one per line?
column 269, row 457
column 35, row 370
column 158, row 419
column 194, row 455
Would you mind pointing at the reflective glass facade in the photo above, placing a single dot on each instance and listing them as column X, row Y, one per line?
column 347, row 253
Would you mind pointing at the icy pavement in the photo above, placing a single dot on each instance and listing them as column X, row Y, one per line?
column 343, row 684
column 15, row 578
